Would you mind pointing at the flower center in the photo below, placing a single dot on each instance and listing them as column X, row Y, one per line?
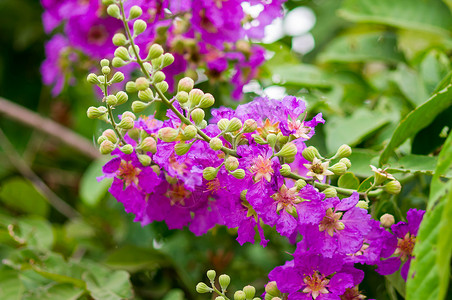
column 286, row 199
column 262, row 168
column 353, row 294
column 300, row 129
column 316, row 284
column 177, row 194
column 405, row 246
column 128, row 172
column 268, row 128
column 331, row 223
column 177, row 166
column 97, row 35
column 213, row 185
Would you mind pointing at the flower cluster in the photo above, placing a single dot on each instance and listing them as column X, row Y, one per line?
column 201, row 34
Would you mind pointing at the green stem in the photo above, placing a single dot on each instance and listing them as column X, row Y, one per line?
column 110, row 113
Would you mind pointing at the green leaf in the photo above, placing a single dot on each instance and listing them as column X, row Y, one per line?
column 366, row 184
column 91, row 190
column 104, row 284
column 62, row 291
column 361, row 160
column 348, row 181
column 431, row 16
column 36, row 232
column 174, row 294
column 301, row 75
column 20, row 195
column 416, row 164
column 410, row 84
column 11, row 287
column 417, row 119
column 133, row 259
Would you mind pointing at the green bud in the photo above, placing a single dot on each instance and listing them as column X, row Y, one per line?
column 310, row 153
column 113, row 10
column 289, row 159
column 346, row 162
column 92, row 78
column 186, row 84
column 239, row 295
column 362, row 204
column 387, row 220
column 231, row 163
column 135, row 12
column 110, row 135
column 101, row 78
column 211, row 275
column 343, row 151
column 111, row 100
column 129, row 114
column 144, row 159
column 101, row 139
column 272, row 289
column 96, row 112
column 195, row 97
column 158, row 76
column 215, row 144
column 148, row 145
column 168, row 134
column 182, row 97
column 393, row 187
column 117, row 77
column 182, row 148
column 285, row 170
column 168, row 59
column 269, row 297
column 203, row 124
column 138, row 106
column 224, row 281
column 155, row 51
column 146, row 95
column 271, row 139
column 134, row 134
column 122, row 53
column 117, row 62
column 288, row 150
column 249, row 291
column 139, row 26
column 338, row 169
column 106, row 70
column 223, row 124
column 209, row 173
column 219, row 298
column 239, row 173
column 300, row 183
column 234, row 125
column 131, row 87
column 281, row 139
column 141, row 83
column 330, row 192
column 249, row 125
column 162, row 86
column 207, row 101
column 134, row 49
column 108, row 2
column 258, row 139
column 104, row 63
column 202, row 288
column 126, row 123
column 189, row 132
column 121, row 97
column 157, row 62
column 197, row 115
column 126, row 149
column 119, row 39
column 106, row 147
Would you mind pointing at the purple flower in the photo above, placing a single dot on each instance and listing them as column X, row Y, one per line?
column 53, row 69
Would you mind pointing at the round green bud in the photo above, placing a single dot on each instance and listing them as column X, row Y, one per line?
column 223, row 124
column 362, row 204
column 215, row 144
column 119, row 39
column 134, row 134
column 182, row 148
column 141, row 83
column 139, row 26
column 195, row 97
column 239, row 295
column 231, row 163
column 300, row 183
column 158, row 76
column 126, row 149
column 117, row 62
column 338, row 169
column 157, row 63
column 117, row 77
column 131, row 87
column 219, row 298
column 108, row 2
column 224, row 281
column 135, row 12
column 144, row 159
column 393, row 187
column 285, row 170
column 271, row 139
column 289, row 159
column 111, row 100
column 129, row 114
column 121, row 97
column 249, row 125
column 347, row 162
column 209, row 173
column 189, row 132
column 197, row 115
column 92, row 78
column 148, row 144
column 186, row 84
column 162, row 86
column 101, row 78
column 343, row 151
column 258, row 139
column 288, row 150
column 133, row 50
column 206, row 101
column 106, row 147
column 126, row 123
column 281, row 139
column 387, row 220
column 138, row 106
column 106, row 70
column 203, row 124
column 101, row 139
column 168, row 134
column 168, row 59
column 211, row 275
column 249, row 291
column 239, row 173
column 310, row 153
column 155, row 51
column 96, row 112
column 234, row 125
column 122, row 53
column 330, row 192
column 110, row 135
column 269, row 297
column 146, row 95
column 182, row 97
column 272, row 289
column 104, row 63
column 113, row 10
column 202, row 288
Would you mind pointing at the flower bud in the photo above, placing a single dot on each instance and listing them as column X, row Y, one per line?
column 249, row 291
column 119, row 39
column 162, row 86
column 106, row 147
column 111, row 100
column 122, row 53
column 104, row 63
column 92, row 78
column 288, row 150
column 144, row 159
column 186, row 84
column 101, row 139
column 168, row 134
column 129, row 114
column 96, row 112
column 310, row 153
column 203, row 124
column 224, row 281
column 110, row 135
column 249, row 125
column 234, row 125
column 113, row 10
column 189, row 132
column 202, row 288
column 146, row 95
column 231, row 163
column 108, row 2
column 134, row 49
column 393, row 187
column 158, row 76
column 195, row 96
column 338, row 169
column 362, row 204
column 281, row 139
column 330, row 192
column 148, row 145
column 138, row 106
column 271, row 139
column 141, row 83
column 269, row 297
column 258, row 139
column 117, row 77
column 182, row 97
column 135, row 12
column 300, row 183
column 182, row 148
column 131, row 87
column 106, row 70
column 219, row 298
column 239, row 173
column 207, row 101
column 126, row 149
column 211, row 275
column 289, row 159
column 126, row 123
column 101, row 78
column 285, row 170
column 121, row 97
column 215, row 144
column 168, row 59
column 209, row 173
column 117, row 62
column 223, row 124
column 387, row 220
column 197, row 115
column 343, row 151
column 347, row 162
column 239, row 295
column 272, row 289
column 139, row 26
column 155, row 51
